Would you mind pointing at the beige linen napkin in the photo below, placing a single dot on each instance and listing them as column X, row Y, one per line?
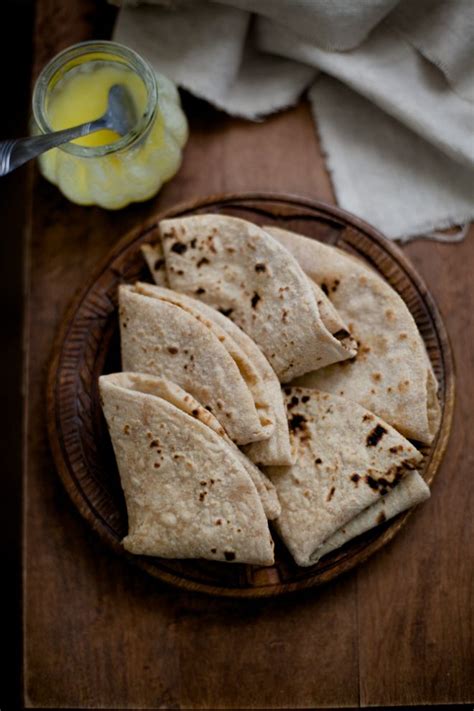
column 401, row 152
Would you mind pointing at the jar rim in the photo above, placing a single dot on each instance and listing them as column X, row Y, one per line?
column 134, row 62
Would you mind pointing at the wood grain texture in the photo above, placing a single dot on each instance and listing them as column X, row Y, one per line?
column 88, row 345
column 101, row 634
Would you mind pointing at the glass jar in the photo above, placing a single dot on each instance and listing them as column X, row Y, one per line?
column 132, row 167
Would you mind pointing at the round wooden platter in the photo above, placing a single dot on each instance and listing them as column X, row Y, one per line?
column 88, row 345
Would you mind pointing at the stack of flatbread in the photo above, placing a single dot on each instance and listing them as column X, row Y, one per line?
column 266, row 377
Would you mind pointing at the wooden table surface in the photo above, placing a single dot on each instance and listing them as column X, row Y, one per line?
column 100, row 634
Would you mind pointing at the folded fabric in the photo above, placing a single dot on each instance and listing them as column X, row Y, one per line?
column 412, row 60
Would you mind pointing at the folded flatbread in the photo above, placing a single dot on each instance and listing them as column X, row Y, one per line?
column 188, row 495
column 410, row 491
column 254, row 367
column 155, row 259
column 347, row 460
column 239, row 269
column 162, row 338
column 391, row 374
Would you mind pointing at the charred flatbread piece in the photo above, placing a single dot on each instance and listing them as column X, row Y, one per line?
column 254, row 367
column 391, row 374
column 347, row 460
column 188, row 495
column 163, row 338
column 236, row 267
column 410, row 491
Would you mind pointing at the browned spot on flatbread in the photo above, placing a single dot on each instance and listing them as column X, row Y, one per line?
column 200, row 290
column 371, row 482
column 255, row 299
column 229, row 555
column 260, row 268
column 226, row 312
column 376, row 377
column 297, row 422
column 396, row 449
column 341, row 334
column 159, row 263
column 173, row 350
column 374, row 437
column 203, row 260
column 355, row 478
column 403, row 386
column 390, row 315
column 169, row 233
column 331, row 493
column 403, row 336
column 381, row 518
column 179, row 247
column 367, row 418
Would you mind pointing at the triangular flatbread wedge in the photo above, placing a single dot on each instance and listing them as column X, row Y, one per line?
column 236, row 267
column 347, row 459
column 162, row 338
column 391, row 374
column 188, row 494
column 410, row 491
column 254, row 367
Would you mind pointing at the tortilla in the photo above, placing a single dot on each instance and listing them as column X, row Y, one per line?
column 187, row 493
column 391, row 374
column 258, row 373
column 410, row 491
column 239, row 269
column 347, row 460
column 162, row 338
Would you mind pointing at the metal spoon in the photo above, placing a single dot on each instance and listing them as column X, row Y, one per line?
column 121, row 116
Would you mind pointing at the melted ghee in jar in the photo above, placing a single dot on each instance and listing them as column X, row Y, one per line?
column 135, row 172
column 82, row 96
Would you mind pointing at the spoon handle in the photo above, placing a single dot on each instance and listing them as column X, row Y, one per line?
column 15, row 152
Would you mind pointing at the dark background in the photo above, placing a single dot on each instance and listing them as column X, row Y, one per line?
column 15, row 61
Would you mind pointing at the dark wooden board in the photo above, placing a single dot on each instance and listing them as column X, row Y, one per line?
column 88, row 346
column 396, row 631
